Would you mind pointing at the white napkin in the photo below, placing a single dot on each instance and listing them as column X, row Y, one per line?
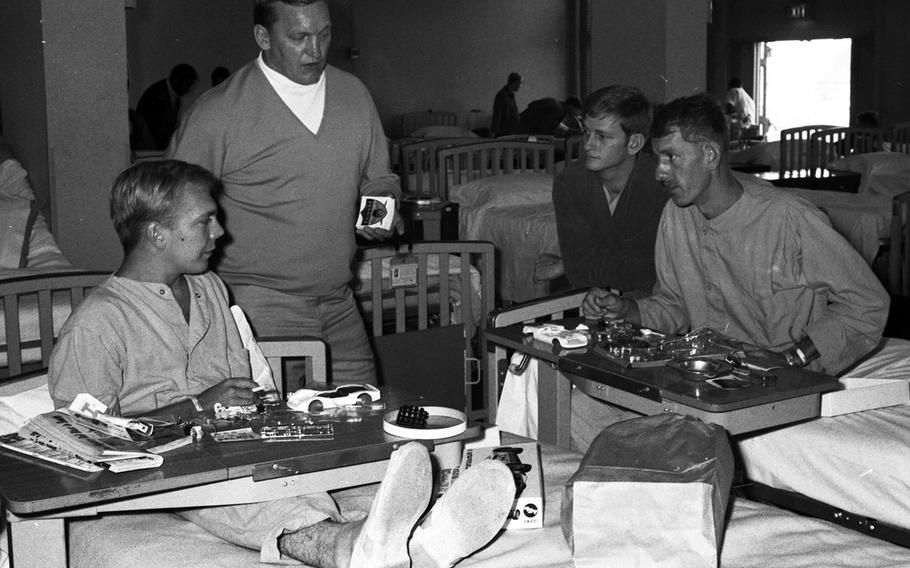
column 517, row 412
column 259, row 366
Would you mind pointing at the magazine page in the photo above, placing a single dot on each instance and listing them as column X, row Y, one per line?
column 89, row 439
column 37, row 449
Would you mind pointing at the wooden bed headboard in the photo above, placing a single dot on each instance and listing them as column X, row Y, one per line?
column 468, row 162
column 44, row 301
column 418, row 164
column 409, row 122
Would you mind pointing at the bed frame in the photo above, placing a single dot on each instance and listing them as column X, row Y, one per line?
column 799, row 503
column 412, row 121
column 418, row 164
column 433, row 330
column 41, row 293
column 439, row 320
column 568, row 305
column 468, row 162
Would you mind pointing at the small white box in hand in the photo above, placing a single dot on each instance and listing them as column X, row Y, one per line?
column 375, row 212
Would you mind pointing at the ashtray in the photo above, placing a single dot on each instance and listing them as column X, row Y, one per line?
column 700, row 368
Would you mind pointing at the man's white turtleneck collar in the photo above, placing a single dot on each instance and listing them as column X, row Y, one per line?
column 307, row 102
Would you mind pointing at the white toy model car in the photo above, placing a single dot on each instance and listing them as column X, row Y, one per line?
column 559, row 335
column 310, row 400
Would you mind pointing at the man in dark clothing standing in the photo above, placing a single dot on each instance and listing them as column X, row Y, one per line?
column 505, row 109
column 159, row 105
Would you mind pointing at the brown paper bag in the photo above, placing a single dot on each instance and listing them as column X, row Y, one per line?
column 650, row 491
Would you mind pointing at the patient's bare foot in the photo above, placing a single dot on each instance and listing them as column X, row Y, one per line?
column 402, row 498
column 466, row 517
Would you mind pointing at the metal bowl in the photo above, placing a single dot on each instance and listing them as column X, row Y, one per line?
column 700, row 368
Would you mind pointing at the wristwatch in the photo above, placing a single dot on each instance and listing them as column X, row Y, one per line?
column 802, row 353
column 792, row 358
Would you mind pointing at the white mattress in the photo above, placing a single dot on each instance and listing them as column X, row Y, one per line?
column 859, row 462
column 757, row 535
column 515, row 213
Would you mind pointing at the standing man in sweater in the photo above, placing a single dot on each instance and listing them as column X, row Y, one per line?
column 296, row 143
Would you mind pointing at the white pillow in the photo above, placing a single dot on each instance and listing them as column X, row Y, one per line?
column 505, row 190
column 43, row 251
column 873, row 163
column 14, row 180
column 16, row 409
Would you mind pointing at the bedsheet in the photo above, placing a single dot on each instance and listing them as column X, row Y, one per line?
column 857, row 462
column 882, row 173
column 757, row 535
column 862, row 219
column 515, row 213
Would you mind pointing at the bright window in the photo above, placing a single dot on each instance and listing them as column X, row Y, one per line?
column 805, row 82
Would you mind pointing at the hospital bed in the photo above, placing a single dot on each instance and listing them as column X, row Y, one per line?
column 504, row 192
column 849, row 469
column 756, row 534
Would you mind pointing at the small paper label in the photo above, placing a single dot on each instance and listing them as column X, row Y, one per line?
column 403, row 271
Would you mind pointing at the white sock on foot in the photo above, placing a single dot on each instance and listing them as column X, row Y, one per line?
column 468, row 515
column 402, row 498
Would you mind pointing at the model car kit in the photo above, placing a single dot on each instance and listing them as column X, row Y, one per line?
column 311, row 400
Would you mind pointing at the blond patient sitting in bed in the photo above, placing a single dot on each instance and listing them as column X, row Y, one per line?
column 158, row 339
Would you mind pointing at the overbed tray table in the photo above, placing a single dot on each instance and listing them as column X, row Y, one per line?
column 38, row 496
column 795, row 396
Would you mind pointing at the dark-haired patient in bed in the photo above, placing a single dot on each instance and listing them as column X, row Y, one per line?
column 158, row 339
column 746, row 259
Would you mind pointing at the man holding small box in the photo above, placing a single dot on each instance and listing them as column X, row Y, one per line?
column 296, row 143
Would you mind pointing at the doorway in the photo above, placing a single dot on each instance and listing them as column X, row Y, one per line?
column 802, row 82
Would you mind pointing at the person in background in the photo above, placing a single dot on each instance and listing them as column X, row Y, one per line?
column 738, row 105
column 505, row 118
column 296, row 143
column 159, row 105
column 541, row 117
column 157, row 339
column 748, row 260
column 572, row 122
column 219, row 74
